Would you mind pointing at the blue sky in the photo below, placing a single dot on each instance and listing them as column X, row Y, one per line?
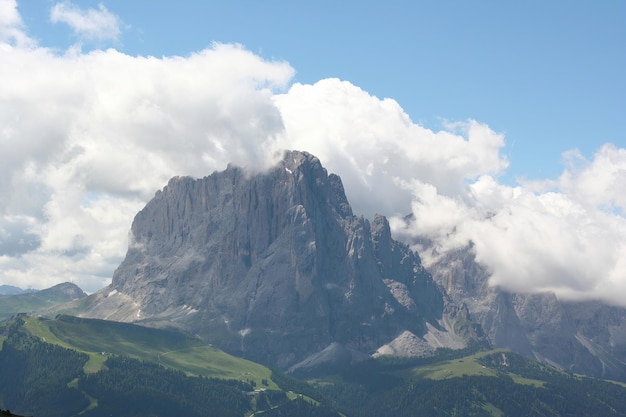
column 498, row 124
column 549, row 75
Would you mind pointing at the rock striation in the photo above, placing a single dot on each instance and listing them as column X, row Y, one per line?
column 273, row 266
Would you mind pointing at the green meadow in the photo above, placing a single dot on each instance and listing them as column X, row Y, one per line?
column 466, row 366
column 173, row 349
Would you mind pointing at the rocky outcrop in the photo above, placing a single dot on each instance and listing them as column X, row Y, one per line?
column 63, row 292
column 273, row 266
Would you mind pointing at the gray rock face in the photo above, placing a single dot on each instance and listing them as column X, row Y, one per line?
column 272, row 266
column 587, row 338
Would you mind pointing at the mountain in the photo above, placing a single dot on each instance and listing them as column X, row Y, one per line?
column 583, row 337
column 273, row 266
column 38, row 301
column 12, row 290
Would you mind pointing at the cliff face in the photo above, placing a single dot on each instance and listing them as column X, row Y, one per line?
column 274, row 266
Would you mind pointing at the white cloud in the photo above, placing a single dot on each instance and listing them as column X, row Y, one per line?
column 597, row 183
column 11, row 25
column 98, row 24
column 375, row 146
column 569, row 240
column 87, row 138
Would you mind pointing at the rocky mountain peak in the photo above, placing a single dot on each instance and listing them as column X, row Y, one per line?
column 275, row 266
column 66, row 290
column 272, row 265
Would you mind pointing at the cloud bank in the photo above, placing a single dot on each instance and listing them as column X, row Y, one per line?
column 87, row 138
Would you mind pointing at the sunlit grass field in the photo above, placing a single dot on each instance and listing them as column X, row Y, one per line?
column 455, row 368
column 100, row 338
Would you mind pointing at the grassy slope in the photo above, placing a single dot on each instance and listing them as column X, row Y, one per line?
column 468, row 365
column 172, row 349
column 40, row 328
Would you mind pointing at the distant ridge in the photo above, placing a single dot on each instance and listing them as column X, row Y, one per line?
column 12, row 290
column 39, row 301
column 585, row 337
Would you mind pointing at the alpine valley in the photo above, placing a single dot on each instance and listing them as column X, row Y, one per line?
column 262, row 293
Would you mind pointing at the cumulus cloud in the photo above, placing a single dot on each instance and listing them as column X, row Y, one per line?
column 11, row 25
column 569, row 239
column 95, row 24
column 566, row 235
column 87, row 138
column 376, row 147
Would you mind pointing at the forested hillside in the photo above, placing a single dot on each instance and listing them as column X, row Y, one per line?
column 483, row 384
column 43, row 379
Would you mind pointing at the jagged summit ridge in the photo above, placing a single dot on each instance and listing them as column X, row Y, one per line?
column 275, row 263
